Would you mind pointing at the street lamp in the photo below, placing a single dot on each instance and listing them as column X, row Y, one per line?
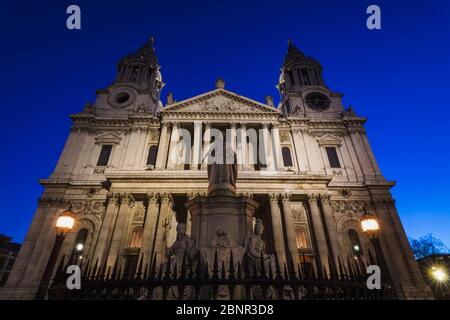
column 371, row 227
column 439, row 274
column 64, row 224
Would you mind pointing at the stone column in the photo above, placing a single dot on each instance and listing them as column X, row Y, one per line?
column 300, row 151
column 206, row 146
column 317, row 227
column 290, row 231
column 197, row 152
column 161, row 157
column 331, row 227
column 361, row 153
column 277, row 229
column 231, row 145
column 163, row 221
column 375, row 166
column 400, row 259
column 38, row 258
column 127, row 202
column 105, row 233
column 267, row 148
column 188, row 223
column 242, row 154
column 278, row 163
column 151, row 219
column 23, row 259
column 172, row 160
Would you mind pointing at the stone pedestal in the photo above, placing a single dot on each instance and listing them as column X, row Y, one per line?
column 221, row 222
column 220, row 225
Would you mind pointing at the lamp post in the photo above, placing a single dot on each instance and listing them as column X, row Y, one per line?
column 64, row 224
column 371, row 227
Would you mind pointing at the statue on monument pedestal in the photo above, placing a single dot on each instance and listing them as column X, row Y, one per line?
column 182, row 246
column 255, row 248
column 222, row 177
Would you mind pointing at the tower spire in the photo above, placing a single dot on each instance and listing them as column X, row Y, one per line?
column 299, row 71
column 141, row 68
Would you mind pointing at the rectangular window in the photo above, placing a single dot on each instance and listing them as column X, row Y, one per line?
column 333, row 157
column 104, row 155
column 302, row 240
column 151, row 158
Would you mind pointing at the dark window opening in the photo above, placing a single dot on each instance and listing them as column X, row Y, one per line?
column 122, row 97
column 287, row 158
column 151, row 159
column 354, row 242
column 80, row 242
column 333, row 157
column 130, row 265
column 305, row 77
column 104, row 155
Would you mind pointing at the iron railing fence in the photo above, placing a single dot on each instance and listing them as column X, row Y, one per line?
column 197, row 281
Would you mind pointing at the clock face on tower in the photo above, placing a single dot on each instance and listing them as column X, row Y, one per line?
column 317, row 101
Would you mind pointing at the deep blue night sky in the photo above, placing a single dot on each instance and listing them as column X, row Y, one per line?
column 398, row 77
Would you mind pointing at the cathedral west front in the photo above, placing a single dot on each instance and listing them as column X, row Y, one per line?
column 134, row 169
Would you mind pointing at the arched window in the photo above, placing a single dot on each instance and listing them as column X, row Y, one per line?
column 136, row 237
column 287, row 158
column 355, row 244
column 80, row 241
column 151, row 159
column 302, row 238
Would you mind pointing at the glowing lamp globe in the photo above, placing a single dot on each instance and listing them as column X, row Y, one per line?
column 369, row 224
column 439, row 274
column 65, row 222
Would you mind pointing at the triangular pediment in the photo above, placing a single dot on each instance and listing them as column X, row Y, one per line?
column 220, row 101
column 329, row 139
column 107, row 137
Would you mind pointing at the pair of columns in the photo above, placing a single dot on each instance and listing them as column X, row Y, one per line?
column 113, row 234
column 169, row 154
column 287, row 252
column 322, row 225
column 324, row 231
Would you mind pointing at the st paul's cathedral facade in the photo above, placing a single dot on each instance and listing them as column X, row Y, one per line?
column 305, row 170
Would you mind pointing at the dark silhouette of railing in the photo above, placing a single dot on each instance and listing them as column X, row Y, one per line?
column 195, row 280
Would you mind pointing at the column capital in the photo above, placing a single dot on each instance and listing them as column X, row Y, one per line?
column 114, row 198
column 233, row 125
column 152, row 197
column 246, row 194
column 274, row 196
column 275, row 125
column 286, row 197
column 312, row 197
column 127, row 199
column 166, row 197
column 265, row 125
column 176, row 124
column 243, row 125
column 325, row 197
column 207, row 124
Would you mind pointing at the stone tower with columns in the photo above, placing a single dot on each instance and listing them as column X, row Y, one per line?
column 130, row 164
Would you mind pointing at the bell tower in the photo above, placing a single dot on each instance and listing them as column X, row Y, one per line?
column 302, row 88
column 137, row 86
column 140, row 69
column 299, row 71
